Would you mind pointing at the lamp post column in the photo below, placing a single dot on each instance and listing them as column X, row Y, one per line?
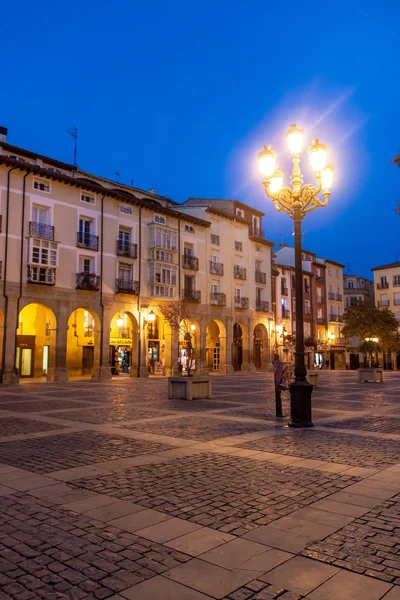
column 300, row 390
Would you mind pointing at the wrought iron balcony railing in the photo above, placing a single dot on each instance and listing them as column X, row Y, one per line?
column 396, row 282
column 255, row 231
column 217, row 298
column 284, row 291
column 339, row 297
column 320, row 300
column 216, row 268
column 382, row 285
column 40, row 230
column 126, row 286
column 85, row 240
column 190, row 262
column 260, row 277
column 241, row 302
column 331, row 296
column 285, row 313
column 126, row 249
column 239, row 272
column 191, row 296
column 332, row 317
column 262, row 306
column 320, row 320
column 88, row 281
column 238, row 246
column 43, row 275
column 215, row 239
column 340, row 318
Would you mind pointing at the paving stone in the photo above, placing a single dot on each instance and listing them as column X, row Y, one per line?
column 167, row 530
column 113, row 510
column 340, row 508
column 136, row 521
column 278, row 538
column 160, row 587
column 199, row 541
column 347, row 586
column 234, row 554
column 300, row 575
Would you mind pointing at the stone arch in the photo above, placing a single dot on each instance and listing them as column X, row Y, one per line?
column 216, row 346
column 261, row 351
column 83, row 342
column 36, row 340
column 123, row 353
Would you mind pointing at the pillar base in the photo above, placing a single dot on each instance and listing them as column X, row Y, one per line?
column 101, row 373
column 57, row 374
column 300, row 404
column 248, row 368
column 10, row 376
column 133, row 371
column 204, row 370
column 143, row 372
column 229, row 369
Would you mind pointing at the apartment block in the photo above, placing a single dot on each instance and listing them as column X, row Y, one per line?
column 86, row 263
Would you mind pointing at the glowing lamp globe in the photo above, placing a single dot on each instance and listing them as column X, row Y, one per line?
column 327, row 177
column 317, row 154
column 266, row 160
column 120, row 321
column 152, row 317
column 295, row 137
column 276, row 182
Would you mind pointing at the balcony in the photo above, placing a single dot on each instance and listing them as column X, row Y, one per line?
column 88, row 281
column 39, row 230
column 190, row 262
column 216, row 268
column 319, row 277
column 215, row 239
column 332, row 318
column 217, row 299
column 241, row 302
column 383, row 303
column 239, row 272
column 191, row 296
column 262, row 306
column 339, row 297
column 307, row 289
column 126, row 286
column 284, row 291
column 321, row 321
column 255, row 232
column 42, row 275
column 320, row 300
column 307, row 310
column 382, row 285
column 331, row 296
column 339, row 318
column 396, row 282
column 126, row 249
column 260, row 277
column 285, row 313
column 238, row 246
column 85, row 240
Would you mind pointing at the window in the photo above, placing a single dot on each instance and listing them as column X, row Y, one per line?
column 189, row 228
column 213, row 258
column 41, row 214
column 320, row 314
column 329, row 272
column 86, row 264
column 42, row 252
column 337, row 273
column 307, row 307
column 396, row 280
column 43, row 185
column 41, row 275
column 88, row 323
column 350, row 284
column 159, row 273
column 258, row 296
column 124, row 272
column 125, row 209
column 162, row 238
column 215, row 287
column 160, row 219
column 161, row 255
column 397, row 299
column 240, row 212
column 238, row 292
column 85, row 226
column 88, row 198
column 188, row 249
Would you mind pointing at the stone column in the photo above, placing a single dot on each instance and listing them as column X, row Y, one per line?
column 101, row 368
column 174, row 353
column 10, row 374
column 247, row 352
column 133, row 369
column 143, row 370
column 226, row 349
column 204, row 370
column 58, row 370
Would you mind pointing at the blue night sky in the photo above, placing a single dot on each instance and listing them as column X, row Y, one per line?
column 181, row 96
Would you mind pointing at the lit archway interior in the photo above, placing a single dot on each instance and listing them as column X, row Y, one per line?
column 36, row 340
column 83, row 342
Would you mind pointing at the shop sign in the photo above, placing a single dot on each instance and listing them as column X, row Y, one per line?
column 120, row 342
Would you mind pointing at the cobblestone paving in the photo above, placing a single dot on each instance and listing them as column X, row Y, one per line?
column 193, row 406
column 369, row 545
column 14, row 426
column 331, row 446
column 223, row 492
column 377, row 423
column 35, row 405
column 268, row 412
column 113, row 414
column 60, row 452
column 44, row 550
column 202, row 429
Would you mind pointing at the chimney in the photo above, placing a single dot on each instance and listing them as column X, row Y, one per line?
column 3, row 134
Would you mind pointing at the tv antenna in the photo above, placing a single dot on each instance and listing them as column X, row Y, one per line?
column 73, row 132
column 348, row 268
column 118, row 175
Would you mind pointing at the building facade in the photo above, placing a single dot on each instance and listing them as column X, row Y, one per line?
column 86, row 264
column 387, row 294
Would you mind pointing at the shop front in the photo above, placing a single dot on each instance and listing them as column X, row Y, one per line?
column 120, row 355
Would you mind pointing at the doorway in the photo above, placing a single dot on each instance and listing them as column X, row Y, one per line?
column 237, row 349
column 87, row 360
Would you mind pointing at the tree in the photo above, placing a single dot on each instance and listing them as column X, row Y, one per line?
column 176, row 313
column 367, row 321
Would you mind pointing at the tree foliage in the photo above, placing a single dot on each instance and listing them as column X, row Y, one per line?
column 365, row 320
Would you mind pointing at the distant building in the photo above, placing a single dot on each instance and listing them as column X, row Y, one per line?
column 387, row 294
column 357, row 289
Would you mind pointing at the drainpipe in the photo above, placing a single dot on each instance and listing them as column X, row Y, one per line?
column 138, row 298
column 3, row 363
column 21, row 264
column 101, row 285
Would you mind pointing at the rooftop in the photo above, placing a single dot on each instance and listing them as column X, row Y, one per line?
column 388, row 266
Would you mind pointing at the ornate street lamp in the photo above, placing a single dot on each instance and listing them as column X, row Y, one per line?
column 297, row 201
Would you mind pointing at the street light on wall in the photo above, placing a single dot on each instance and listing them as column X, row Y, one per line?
column 148, row 318
column 297, row 201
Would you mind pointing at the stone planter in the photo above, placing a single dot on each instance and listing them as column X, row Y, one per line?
column 189, row 388
column 313, row 378
column 373, row 374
